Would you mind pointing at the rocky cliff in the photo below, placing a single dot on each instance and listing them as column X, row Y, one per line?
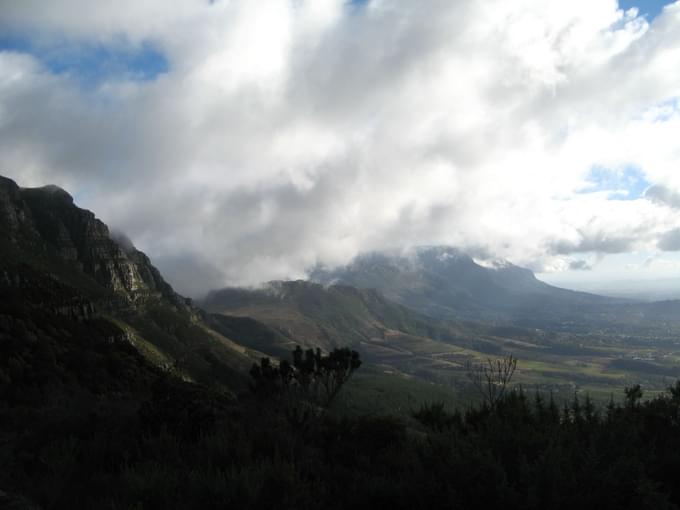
column 46, row 222
column 61, row 264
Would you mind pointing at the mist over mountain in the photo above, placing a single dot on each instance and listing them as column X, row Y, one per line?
column 444, row 282
column 340, row 254
column 328, row 316
column 106, row 370
column 311, row 130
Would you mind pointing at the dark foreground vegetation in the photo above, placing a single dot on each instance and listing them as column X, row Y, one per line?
column 93, row 425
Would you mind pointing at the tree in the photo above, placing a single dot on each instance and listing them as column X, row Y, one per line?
column 633, row 396
column 313, row 376
column 492, row 378
column 270, row 379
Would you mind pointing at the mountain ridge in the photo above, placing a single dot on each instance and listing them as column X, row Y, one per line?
column 444, row 282
column 47, row 220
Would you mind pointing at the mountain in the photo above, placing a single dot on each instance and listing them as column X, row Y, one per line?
column 313, row 315
column 99, row 406
column 443, row 282
column 59, row 261
column 387, row 334
column 97, row 355
column 597, row 351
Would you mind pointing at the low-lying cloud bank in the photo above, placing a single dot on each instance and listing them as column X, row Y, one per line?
column 289, row 133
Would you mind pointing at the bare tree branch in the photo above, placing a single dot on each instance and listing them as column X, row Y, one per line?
column 492, row 378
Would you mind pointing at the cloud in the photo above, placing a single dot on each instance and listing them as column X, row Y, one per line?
column 580, row 265
column 663, row 195
column 190, row 273
column 601, row 243
column 670, row 241
column 285, row 134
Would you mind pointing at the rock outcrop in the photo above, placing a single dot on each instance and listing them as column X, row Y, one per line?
column 47, row 221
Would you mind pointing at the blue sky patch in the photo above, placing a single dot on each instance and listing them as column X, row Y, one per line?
column 666, row 110
column 625, row 184
column 357, row 4
column 93, row 63
column 650, row 9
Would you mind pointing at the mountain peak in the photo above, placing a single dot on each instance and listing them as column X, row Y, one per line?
column 443, row 281
column 7, row 184
column 48, row 196
column 45, row 222
column 54, row 192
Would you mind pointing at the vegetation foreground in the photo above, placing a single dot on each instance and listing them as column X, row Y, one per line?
column 152, row 441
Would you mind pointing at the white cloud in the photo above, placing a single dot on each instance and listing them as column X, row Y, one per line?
column 290, row 132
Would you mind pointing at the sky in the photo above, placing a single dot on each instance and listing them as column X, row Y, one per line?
column 237, row 142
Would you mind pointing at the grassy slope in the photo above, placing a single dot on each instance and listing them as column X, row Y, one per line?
column 430, row 350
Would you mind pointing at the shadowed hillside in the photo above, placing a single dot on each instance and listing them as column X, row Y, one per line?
column 48, row 243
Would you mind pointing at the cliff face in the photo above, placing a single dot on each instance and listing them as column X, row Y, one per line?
column 47, row 222
column 60, row 267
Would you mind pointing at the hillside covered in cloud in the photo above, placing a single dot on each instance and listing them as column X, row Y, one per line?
column 253, row 140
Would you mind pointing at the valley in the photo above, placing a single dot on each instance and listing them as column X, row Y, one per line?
column 571, row 359
column 419, row 320
column 115, row 389
column 339, row 254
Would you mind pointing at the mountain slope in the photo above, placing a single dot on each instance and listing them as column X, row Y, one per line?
column 321, row 316
column 384, row 332
column 596, row 353
column 443, row 282
column 51, row 249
